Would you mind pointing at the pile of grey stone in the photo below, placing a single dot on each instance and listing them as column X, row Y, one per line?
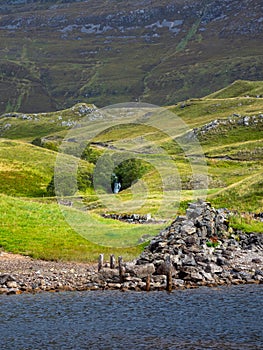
column 203, row 249
column 198, row 249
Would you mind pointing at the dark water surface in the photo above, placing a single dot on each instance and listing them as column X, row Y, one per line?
column 223, row 318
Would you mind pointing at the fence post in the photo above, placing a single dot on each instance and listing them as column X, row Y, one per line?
column 112, row 261
column 169, row 280
column 100, row 264
column 121, row 269
column 148, row 283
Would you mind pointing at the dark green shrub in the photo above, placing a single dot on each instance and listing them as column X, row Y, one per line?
column 130, row 171
column 91, row 154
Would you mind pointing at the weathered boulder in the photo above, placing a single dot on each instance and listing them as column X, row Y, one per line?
column 141, row 270
column 108, row 274
column 6, row 278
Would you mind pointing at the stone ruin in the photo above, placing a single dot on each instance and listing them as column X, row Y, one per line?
column 198, row 249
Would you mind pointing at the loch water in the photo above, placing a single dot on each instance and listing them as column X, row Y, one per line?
column 205, row 318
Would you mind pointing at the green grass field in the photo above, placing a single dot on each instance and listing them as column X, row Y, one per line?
column 34, row 224
column 41, row 231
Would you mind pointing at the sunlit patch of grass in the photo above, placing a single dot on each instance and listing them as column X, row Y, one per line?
column 243, row 196
column 246, row 223
column 25, row 169
column 40, row 230
column 240, row 88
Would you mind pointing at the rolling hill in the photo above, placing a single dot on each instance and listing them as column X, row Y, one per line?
column 229, row 130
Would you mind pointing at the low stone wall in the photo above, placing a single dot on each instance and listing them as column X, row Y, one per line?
column 132, row 218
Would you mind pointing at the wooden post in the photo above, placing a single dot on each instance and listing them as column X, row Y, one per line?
column 112, row 261
column 100, row 264
column 121, row 269
column 169, row 280
column 148, row 283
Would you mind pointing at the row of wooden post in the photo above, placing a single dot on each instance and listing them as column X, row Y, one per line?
column 112, row 261
column 168, row 265
column 112, row 265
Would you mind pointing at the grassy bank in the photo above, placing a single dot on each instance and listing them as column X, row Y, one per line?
column 40, row 231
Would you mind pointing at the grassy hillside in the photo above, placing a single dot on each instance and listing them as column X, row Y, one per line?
column 25, row 169
column 157, row 52
column 230, row 131
column 30, row 126
column 240, row 88
column 40, row 230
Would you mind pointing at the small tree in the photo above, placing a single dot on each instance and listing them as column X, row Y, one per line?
column 91, row 154
column 130, row 170
column 84, row 178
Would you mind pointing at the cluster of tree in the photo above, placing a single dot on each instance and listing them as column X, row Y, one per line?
column 130, row 170
column 109, row 168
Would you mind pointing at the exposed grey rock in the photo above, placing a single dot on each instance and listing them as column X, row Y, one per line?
column 221, row 261
column 235, row 119
column 6, row 278
column 207, row 276
column 11, row 284
column 189, row 260
column 132, row 218
column 213, row 268
column 142, row 270
column 108, row 273
column 163, row 270
column 190, row 273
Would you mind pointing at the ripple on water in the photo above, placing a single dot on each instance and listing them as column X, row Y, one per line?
column 223, row 318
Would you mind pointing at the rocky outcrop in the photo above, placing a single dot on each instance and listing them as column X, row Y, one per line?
column 232, row 16
column 231, row 121
column 195, row 250
column 198, row 249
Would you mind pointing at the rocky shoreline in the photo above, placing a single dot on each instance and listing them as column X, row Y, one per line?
column 198, row 249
